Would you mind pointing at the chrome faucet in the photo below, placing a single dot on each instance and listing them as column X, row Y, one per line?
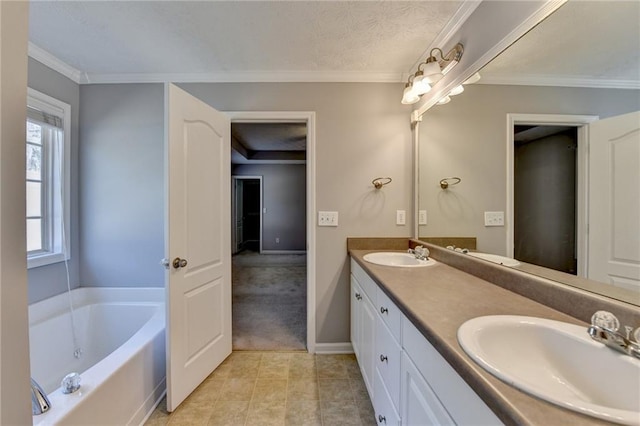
column 604, row 329
column 420, row 252
column 39, row 400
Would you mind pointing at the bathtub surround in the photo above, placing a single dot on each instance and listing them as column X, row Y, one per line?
column 276, row 388
column 269, row 301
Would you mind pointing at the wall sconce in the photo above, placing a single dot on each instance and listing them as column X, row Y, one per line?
column 434, row 69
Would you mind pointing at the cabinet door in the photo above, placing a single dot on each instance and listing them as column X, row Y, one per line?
column 419, row 404
column 356, row 302
column 367, row 341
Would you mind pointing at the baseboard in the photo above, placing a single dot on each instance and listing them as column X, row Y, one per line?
column 334, row 348
column 283, row 252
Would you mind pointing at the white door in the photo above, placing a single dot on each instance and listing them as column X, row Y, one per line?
column 198, row 243
column 614, row 200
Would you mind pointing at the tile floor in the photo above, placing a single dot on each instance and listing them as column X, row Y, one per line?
column 276, row 388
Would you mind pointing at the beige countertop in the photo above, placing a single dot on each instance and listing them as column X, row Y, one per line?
column 438, row 299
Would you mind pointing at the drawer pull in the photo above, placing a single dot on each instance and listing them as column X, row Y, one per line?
column 358, row 296
column 383, row 358
column 382, row 418
column 383, row 310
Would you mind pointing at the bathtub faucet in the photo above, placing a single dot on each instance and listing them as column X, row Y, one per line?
column 39, row 401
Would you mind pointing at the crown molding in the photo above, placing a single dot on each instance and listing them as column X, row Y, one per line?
column 559, row 81
column 56, row 64
column 248, row 77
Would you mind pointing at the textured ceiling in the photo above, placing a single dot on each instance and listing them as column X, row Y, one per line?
column 227, row 37
column 588, row 40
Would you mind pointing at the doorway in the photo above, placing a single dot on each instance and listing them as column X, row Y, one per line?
column 272, row 161
column 246, row 213
column 547, row 190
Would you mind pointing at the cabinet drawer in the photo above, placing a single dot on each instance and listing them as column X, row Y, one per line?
column 389, row 313
column 461, row 402
column 387, row 358
column 367, row 284
column 386, row 414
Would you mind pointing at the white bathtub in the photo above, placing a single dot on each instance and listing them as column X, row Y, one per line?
column 121, row 332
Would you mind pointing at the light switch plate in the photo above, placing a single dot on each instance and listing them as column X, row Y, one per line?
column 422, row 217
column 493, row 218
column 327, row 218
column 401, row 217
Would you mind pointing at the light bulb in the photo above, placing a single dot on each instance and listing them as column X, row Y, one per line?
column 409, row 96
column 432, row 71
column 444, row 100
column 420, row 86
column 456, row 90
column 473, row 79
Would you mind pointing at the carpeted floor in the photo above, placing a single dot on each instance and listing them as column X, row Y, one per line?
column 269, row 301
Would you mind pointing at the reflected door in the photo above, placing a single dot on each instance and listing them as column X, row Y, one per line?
column 614, row 200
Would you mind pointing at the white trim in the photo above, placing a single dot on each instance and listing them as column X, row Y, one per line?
column 249, row 77
column 56, row 64
column 44, row 102
column 334, row 348
column 450, row 29
column 580, row 121
column 233, row 197
column 559, row 81
column 308, row 117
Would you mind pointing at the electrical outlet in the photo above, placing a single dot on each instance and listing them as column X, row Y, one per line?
column 422, row 217
column 493, row 218
column 401, row 217
column 327, row 218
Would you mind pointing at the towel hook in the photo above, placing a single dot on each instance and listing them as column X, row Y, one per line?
column 444, row 183
column 379, row 182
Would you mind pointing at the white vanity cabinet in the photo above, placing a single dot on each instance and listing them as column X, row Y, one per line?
column 363, row 326
column 409, row 382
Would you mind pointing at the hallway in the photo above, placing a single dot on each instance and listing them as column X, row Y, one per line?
column 269, row 301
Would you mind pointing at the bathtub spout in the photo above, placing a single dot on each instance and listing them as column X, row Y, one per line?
column 39, row 401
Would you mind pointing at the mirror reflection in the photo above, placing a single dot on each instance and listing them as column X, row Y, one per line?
column 546, row 147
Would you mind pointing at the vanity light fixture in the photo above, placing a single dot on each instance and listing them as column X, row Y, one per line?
column 473, row 79
column 456, row 90
column 430, row 72
column 444, row 100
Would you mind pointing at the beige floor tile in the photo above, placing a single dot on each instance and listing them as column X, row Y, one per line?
column 302, row 371
column 335, row 389
column 157, row 418
column 274, row 366
column 222, row 371
column 366, row 411
column 239, row 371
column 245, row 358
column 302, row 359
column 331, row 367
column 266, row 413
column 190, row 415
column 237, row 390
column 270, row 390
column 229, row 413
column 353, row 369
column 207, row 393
column 339, row 413
column 303, row 389
column 359, row 389
column 303, row 413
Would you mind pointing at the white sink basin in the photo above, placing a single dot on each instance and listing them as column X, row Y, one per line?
column 390, row 258
column 557, row 362
column 501, row 260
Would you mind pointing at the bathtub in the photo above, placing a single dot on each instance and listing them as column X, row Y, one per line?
column 121, row 333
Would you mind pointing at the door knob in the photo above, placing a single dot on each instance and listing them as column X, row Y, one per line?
column 179, row 263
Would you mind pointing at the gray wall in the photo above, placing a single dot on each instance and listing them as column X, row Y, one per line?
column 47, row 281
column 284, row 197
column 467, row 138
column 122, row 185
column 362, row 132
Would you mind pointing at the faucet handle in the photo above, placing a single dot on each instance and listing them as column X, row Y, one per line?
column 606, row 320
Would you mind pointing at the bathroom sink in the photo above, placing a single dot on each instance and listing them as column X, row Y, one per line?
column 390, row 258
column 501, row 260
column 557, row 362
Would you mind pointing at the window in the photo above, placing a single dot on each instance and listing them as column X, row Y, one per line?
column 47, row 179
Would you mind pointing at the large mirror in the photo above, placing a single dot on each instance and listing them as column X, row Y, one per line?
column 525, row 180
